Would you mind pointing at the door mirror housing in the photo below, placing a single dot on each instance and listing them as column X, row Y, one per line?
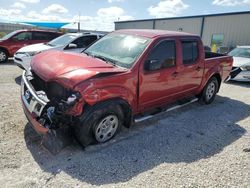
column 151, row 65
column 72, row 45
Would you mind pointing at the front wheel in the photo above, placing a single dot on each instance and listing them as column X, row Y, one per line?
column 3, row 56
column 209, row 91
column 100, row 124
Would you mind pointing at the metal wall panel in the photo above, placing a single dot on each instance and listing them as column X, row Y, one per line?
column 234, row 26
column 236, row 29
column 134, row 25
column 190, row 25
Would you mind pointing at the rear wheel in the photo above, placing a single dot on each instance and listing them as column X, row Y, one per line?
column 209, row 91
column 3, row 56
column 99, row 124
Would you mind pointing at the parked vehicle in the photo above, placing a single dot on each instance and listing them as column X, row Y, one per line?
column 124, row 74
column 241, row 64
column 75, row 42
column 15, row 40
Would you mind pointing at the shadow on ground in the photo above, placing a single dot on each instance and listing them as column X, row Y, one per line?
column 9, row 62
column 18, row 80
column 186, row 135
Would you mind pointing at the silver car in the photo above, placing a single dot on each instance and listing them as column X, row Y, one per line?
column 241, row 64
column 74, row 42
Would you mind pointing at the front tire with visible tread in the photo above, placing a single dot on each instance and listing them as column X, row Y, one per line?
column 209, row 91
column 99, row 124
column 3, row 56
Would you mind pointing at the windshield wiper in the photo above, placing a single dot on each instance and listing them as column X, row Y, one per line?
column 107, row 60
column 49, row 44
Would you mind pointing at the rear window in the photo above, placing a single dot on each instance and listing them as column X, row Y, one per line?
column 190, row 52
column 40, row 36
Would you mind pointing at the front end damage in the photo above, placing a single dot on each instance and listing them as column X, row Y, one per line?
column 46, row 105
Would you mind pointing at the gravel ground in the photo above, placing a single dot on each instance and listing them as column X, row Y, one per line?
column 195, row 146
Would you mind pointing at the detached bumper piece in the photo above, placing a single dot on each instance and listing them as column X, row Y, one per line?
column 38, row 112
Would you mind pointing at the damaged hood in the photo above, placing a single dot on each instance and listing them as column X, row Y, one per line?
column 71, row 67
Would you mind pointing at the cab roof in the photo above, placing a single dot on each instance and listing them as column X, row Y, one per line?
column 150, row 33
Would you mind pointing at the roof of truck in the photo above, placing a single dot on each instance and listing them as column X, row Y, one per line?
column 150, row 33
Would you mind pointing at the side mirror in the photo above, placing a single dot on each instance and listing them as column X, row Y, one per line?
column 72, row 45
column 151, row 65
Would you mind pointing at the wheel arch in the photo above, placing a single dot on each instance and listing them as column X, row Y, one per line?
column 124, row 105
column 218, row 77
column 5, row 49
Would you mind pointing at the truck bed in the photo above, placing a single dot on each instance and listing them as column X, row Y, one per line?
column 221, row 62
column 209, row 55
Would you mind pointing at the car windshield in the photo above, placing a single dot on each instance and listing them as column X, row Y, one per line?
column 62, row 40
column 118, row 49
column 9, row 35
column 240, row 52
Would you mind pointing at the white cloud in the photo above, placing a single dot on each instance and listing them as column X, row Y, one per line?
column 55, row 9
column 30, row 1
column 103, row 21
column 112, row 1
column 18, row 5
column 167, row 8
column 9, row 13
column 111, row 11
column 230, row 2
column 33, row 15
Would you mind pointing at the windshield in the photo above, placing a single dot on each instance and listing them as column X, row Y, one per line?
column 119, row 49
column 240, row 52
column 62, row 40
column 9, row 35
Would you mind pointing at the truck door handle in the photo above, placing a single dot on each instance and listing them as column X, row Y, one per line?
column 175, row 74
column 198, row 68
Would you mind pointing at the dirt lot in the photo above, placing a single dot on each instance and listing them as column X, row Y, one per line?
column 195, row 146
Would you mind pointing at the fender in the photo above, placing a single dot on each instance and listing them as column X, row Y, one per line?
column 96, row 95
column 209, row 73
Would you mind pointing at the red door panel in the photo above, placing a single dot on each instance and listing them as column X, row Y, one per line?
column 161, row 85
column 191, row 67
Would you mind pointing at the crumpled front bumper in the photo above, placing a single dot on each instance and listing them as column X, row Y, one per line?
column 240, row 75
column 32, row 104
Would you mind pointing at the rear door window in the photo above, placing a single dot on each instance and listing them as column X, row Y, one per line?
column 190, row 52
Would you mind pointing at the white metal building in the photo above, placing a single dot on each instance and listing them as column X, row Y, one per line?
column 228, row 29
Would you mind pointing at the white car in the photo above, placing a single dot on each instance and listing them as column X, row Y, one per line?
column 241, row 64
column 74, row 42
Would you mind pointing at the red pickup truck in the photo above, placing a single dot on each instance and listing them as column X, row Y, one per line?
column 124, row 74
column 15, row 40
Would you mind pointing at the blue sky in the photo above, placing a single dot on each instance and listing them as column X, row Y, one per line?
column 101, row 14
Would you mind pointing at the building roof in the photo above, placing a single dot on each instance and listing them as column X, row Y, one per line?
column 150, row 33
column 186, row 17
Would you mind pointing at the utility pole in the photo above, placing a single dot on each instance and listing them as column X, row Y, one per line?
column 79, row 23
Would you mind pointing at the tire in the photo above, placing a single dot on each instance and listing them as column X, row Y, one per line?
column 209, row 92
column 3, row 56
column 99, row 124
